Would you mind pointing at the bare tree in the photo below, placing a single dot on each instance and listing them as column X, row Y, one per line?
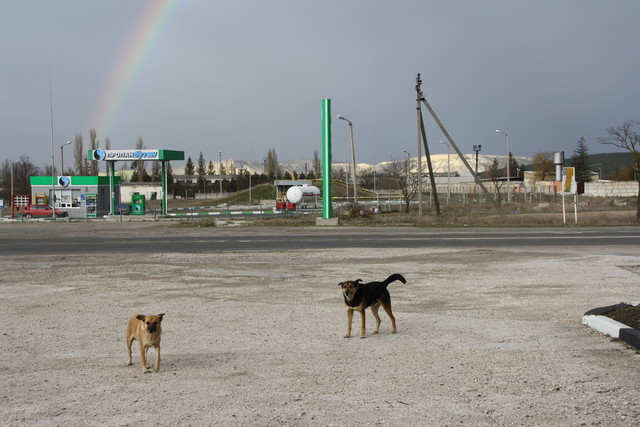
column 493, row 173
column 23, row 171
column 139, row 165
column 543, row 165
column 273, row 168
column 626, row 137
column 94, row 144
column 407, row 182
column 80, row 160
column 155, row 171
column 367, row 178
column 317, row 164
column 338, row 173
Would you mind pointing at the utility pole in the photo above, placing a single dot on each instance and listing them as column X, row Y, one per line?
column 419, row 121
column 455, row 147
column 423, row 134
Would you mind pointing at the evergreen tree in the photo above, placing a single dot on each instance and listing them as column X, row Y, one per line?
column 580, row 161
column 201, row 172
column 189, row 169
column 169, row 178
column 513, row 166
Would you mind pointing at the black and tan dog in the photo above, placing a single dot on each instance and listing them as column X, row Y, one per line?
column 147, row 330
column 358, row 296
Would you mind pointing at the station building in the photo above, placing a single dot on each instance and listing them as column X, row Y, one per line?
column 81, row 196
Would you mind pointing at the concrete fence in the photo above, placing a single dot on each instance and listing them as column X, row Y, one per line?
column 592, row 189
column 611, row 189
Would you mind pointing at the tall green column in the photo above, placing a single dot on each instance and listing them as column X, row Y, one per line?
column 327, row 208
column 163, row 200
column 112, row 187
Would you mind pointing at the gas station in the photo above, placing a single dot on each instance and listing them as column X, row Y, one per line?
column 113, row 156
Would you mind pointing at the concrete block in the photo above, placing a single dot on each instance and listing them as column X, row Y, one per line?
column 327, row 221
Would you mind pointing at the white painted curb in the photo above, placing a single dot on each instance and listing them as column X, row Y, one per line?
column 604, row 325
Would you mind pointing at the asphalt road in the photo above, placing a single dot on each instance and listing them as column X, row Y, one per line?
column 89, row 238
column 489, row 326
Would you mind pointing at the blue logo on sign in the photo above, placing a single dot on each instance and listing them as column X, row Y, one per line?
column 144, row 154
column 64, row 181
column 99, row 154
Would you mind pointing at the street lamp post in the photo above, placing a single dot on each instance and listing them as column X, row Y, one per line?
column 477, row 149
column 353, row 159
column 12, row 205
column 506, row 136
column 408, row 163
column 448, row 170
column 600, row 171
column 62, row 156
column 220, row 161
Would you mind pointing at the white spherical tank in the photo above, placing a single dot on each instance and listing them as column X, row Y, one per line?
column 303, row 194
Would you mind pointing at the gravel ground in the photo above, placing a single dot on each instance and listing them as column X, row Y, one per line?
column 484, row 337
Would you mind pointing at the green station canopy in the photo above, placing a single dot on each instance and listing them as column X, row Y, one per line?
column 134, row 155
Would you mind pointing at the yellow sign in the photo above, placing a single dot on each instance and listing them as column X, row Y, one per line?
column 569, row 180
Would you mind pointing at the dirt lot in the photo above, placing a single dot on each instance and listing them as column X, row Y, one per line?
column 256, row 338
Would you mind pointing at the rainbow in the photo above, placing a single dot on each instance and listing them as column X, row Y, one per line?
column 137, row 50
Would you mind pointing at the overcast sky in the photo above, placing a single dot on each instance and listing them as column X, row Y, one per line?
column 242, row 77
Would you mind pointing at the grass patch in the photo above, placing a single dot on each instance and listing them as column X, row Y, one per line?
column 199, row 223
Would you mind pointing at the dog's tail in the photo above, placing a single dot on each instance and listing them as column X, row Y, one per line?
column 393, row 278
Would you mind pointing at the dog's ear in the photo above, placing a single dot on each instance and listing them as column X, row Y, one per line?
column 160, row 315
column 340, row 284
column 358, row 281
column 140, row 317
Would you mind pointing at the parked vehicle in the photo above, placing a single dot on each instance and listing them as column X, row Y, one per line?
column 123, row 209
column 41, row 211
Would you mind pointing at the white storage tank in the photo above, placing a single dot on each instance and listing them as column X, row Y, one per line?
column 303, row 194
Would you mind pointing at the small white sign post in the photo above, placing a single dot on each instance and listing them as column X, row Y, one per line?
column 569, row 187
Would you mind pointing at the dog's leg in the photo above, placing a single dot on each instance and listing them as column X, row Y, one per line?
column 143, row 358
column 349, row 322
column 129, row 342
column 387, row 309
column 363, row 323
column 156, row 367
column 374, row 311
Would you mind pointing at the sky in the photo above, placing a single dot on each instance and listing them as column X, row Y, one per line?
column 243, row 76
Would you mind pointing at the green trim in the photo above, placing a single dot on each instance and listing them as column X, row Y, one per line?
column 171, row 155
column 75, row 180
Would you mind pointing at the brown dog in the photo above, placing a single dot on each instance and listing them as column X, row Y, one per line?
column 147, row 330
column 358, row 296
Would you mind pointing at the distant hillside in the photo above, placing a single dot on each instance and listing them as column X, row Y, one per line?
column 609, row 162
column 440, row 162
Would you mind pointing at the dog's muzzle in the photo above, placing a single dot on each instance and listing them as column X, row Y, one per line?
column 151, row 329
